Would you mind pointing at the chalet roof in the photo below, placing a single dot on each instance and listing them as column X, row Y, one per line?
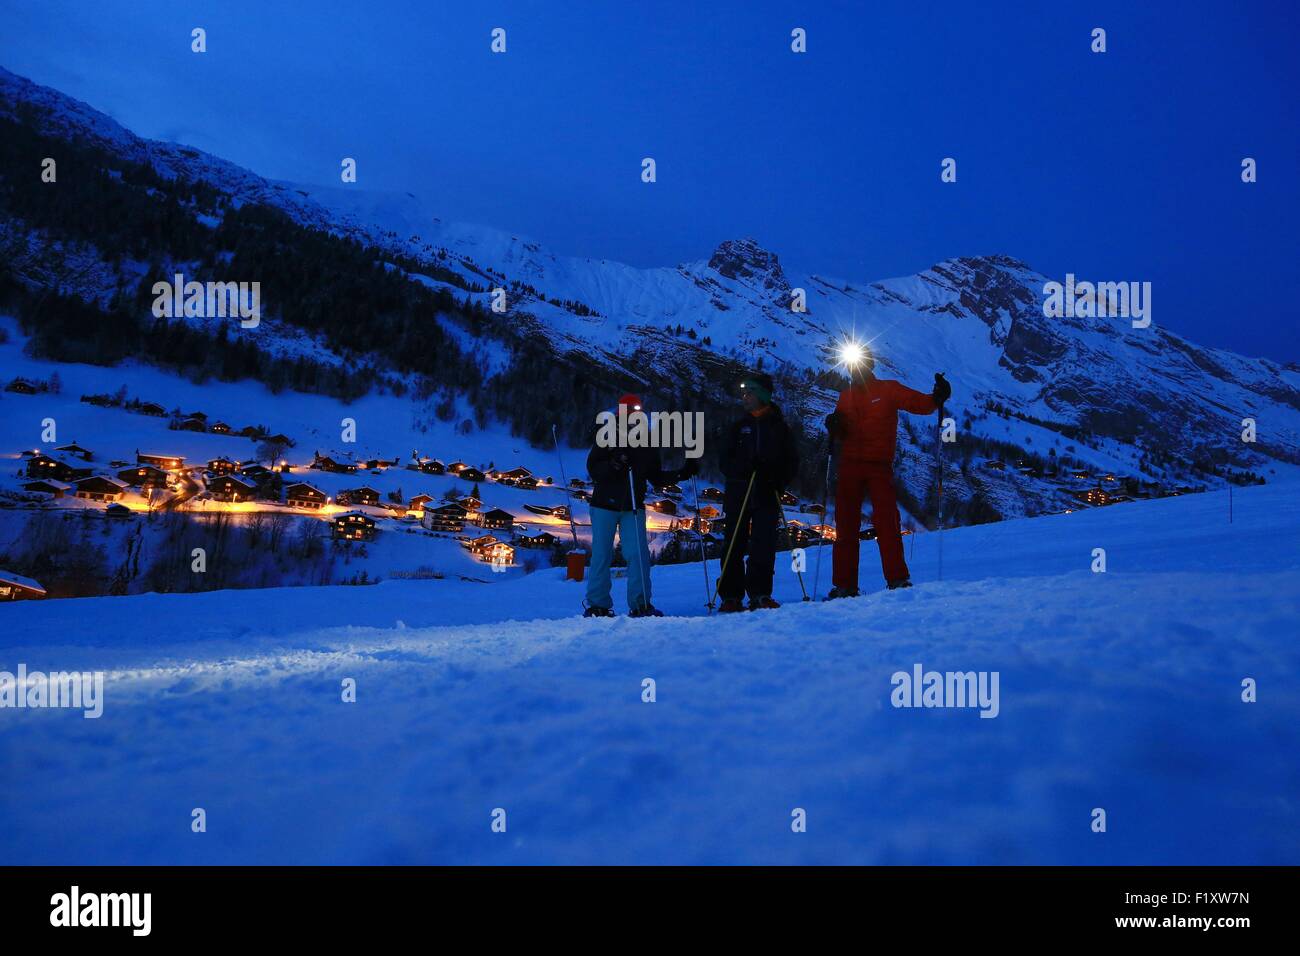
column 236, row 479
column 8, row 577
column 303, row 484
column 150, row 454
column 49, row 482
column 362, row 488
column 497, row 511
column 112, row 481
column 353, row 514
column 59, row 461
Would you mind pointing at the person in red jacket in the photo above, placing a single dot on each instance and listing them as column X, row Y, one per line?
column 864, row 427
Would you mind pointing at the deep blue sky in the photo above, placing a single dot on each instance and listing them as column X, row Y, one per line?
column 1122, row 166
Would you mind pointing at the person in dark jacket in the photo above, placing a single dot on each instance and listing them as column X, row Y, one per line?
column 620, row 477
column 759, row 459
column 864, row 429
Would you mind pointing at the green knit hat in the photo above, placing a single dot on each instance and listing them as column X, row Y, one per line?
column 760, row 384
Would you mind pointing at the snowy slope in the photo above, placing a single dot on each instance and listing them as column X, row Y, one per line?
column 978, row 319
column 1118, row 690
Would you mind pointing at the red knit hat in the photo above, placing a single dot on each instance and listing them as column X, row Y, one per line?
column 633, row 402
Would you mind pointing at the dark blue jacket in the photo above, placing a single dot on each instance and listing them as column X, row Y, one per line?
column 762, row 445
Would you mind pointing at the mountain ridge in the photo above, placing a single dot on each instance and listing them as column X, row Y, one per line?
column 978, row 318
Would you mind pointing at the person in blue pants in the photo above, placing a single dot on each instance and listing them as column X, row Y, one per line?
column 619, row 480
column 632, row 534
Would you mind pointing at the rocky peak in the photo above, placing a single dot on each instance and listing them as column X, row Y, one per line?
column 746, row 260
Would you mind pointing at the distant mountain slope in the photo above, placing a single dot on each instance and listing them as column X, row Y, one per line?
column 979, row 319
column 1050, row 392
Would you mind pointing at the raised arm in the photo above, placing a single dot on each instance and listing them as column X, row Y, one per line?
column 910, row 400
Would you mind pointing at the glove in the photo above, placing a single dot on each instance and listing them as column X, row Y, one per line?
column 942, row 390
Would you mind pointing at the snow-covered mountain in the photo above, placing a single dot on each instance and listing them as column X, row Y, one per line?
column 979, row 319
column 1096, row 391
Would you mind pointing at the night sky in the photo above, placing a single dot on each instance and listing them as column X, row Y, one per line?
column 1123, row 166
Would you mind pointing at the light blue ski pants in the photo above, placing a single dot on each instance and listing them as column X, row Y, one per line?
column 631, row 534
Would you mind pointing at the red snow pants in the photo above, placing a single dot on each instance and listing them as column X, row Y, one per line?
column 856, row 480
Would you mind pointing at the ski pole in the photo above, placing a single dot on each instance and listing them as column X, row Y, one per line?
column 573, row 529
column 704, row 558
column 643, row 556
column 732, row 529
column 780, row 510
column 826, row 494
column 938, row 463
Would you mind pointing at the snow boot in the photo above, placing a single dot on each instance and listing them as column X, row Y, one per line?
column 895, row 585
column 646, row 610
column 841, row 593
column 731, row 606
column 763, row 603
column 598, row 612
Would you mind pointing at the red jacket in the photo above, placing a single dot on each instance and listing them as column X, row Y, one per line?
column 868, row 418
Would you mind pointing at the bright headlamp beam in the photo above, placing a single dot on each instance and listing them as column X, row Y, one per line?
column 851, row 354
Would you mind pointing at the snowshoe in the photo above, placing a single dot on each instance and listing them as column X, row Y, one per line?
column 763, row 603
column 895, row 585
column 731, row 606
column 648, row 610
column 837, row 593
column 598, row 612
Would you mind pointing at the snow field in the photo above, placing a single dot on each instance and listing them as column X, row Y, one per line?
column 1119, row 690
